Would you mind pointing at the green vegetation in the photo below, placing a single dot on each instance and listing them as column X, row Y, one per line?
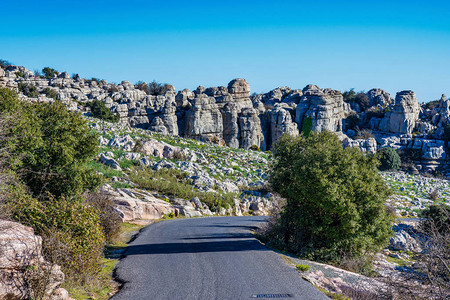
column 49, row 72
column 51, row 147
column 51, row 93
column 302, row 267
column 44, row 175
column 360, row 98
column 335, row 199
column 307, row 126
column 173, row 182
column 28, row 90
column 438, row 216
column 99, row 110
column 389, row 159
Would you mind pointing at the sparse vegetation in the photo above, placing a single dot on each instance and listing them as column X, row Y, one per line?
column 173, row 182
column 302, row 267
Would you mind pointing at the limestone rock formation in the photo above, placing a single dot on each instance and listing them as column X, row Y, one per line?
column 403, row 114
column 379, row 97
column 281, row 123
column 204, row 120
column 325, row 108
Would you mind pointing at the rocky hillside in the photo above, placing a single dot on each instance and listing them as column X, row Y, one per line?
column 231, row 116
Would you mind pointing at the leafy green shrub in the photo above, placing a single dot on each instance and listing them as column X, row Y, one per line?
column 51, row 93
column 99, row 110
column 389, row 159
column 302, row 267
column 51, row 146
column 49, row 72
column 28, row 90
column 72, row 236
column 307, row 126
column 335, row 198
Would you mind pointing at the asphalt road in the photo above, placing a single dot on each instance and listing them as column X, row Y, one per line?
column 206, row 259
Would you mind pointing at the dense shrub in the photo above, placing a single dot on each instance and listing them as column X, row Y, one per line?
column 389, row 159
column 99, row 110
column 49, row 72
column 360, row 98
column 51, row 146
column 447, row 134
column 307, row 126
column 29, row 90
column 51, row 93
column 72, row 236
column 335, row 198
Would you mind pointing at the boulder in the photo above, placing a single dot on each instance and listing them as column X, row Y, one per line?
column 158, row 149
column 110, row 162
column 21, row 261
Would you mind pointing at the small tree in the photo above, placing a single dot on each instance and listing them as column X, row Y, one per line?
column 335, row 198
column 389, row 159
column 99, row 110
column 49, row 72
column 50, row 146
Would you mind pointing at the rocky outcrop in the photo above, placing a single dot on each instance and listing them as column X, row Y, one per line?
column 403, row 114
column 229, row 115
column 21, row 262
column 204, row 120
column 378, row 97
column 324, row 108
column 281, row 122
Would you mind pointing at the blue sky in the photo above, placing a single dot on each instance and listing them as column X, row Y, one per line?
column 394, row 45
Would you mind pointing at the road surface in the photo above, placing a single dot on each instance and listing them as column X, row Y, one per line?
column 206, row 259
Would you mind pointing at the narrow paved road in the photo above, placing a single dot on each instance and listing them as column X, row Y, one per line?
column 207, row 259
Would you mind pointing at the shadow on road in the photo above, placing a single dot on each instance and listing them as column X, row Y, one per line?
column 201, row 247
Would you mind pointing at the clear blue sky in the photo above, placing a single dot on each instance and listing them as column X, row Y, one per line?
column 394, row 45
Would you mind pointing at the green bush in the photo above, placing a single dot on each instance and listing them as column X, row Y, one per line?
column 72, row 235
column 4, row 64
column 99, row 110
column 302, row 267
column 335, row 198
column 49, row 72
column 28, row 90
column 307, row 126
column 51, row 93
column 389, row 159
column 50, row 146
